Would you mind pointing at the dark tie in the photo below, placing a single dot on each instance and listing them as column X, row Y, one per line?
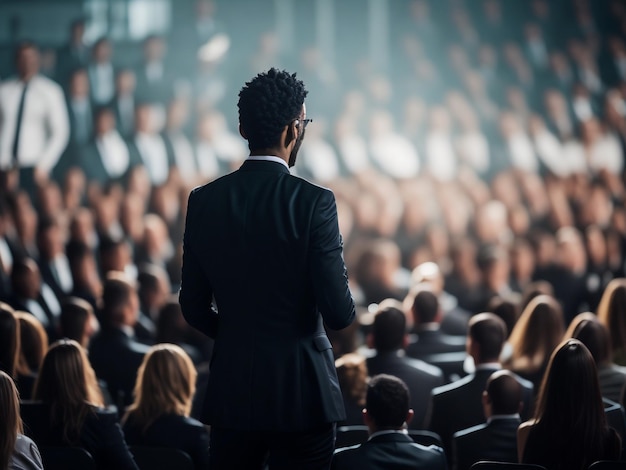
column 18, row 126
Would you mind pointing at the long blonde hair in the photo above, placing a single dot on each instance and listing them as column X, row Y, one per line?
column 34, row 343
column 612, row 312
column 9, row 418
column 67, row 383
column 9, row 340
column 166, row 384
column 352, row 375
column 537, row 332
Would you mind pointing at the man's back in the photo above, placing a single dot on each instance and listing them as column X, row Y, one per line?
column 391, row 451
column 266, row 245
column 496, row 440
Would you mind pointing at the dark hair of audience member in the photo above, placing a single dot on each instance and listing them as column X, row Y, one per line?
column 389, row 329
column 115, row 296
column 535, row 289
column 425, row 307
column 33, row 344
column 488, row 331
column 9, row 340
column 595, row 337
column 387, row 401
column 570, row 411
column 170, row 325
column 539, row 329
column 10, row 420
column 504, row 392
column 506, row 309
column 577, row 320
column 154, row 396
column 67, row 384
column 352, row 375
column 611, row 314
column 75, row 315
column 268, row 103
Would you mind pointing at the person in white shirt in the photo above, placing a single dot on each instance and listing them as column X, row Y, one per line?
column 393, row 153
column 34, row 126
column 148, row 144
column 440, row 153
column 102, row 73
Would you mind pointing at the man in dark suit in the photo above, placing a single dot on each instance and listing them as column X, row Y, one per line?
column 114, row 353
column 389, row 447
column 265, row 246
column 458, row 405
column 389, row 337
column 497, row 438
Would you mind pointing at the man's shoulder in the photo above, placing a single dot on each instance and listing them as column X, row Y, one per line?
column 456, row 387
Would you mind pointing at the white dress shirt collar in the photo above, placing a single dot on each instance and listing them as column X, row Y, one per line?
column 388, row 431
column 268, row 158
column 497, row 417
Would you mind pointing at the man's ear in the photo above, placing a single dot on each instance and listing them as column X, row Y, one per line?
column 409, row 416
column 369, row 340
column 367, row 419
column 292, row 133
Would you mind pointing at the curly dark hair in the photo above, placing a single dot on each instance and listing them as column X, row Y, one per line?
column 267, row 103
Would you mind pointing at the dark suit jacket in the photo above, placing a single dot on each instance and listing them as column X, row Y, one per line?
column 174, row 432
column 116, row 358
column 427, row 342
column 91, row 163
column 494, row 441
column 389, row 452
column 101, row 435
column 458, row 405
column 419, row 377
column 266, row 246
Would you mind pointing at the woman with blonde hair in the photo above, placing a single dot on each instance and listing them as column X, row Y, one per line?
column 9, row 340
column 569, row 431
column 535, row 335
column 352, row 375
column 159, row 415
column 612, row 314
column 71, row 413
column 33, row 348
column 16, row 450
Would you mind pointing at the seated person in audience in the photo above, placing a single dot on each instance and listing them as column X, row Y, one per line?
column 386, row 414
column 388, row 338
column 429, row 338
column 9, row 340
column 114, row 353
column 458, row 405
column 352, row 375
column 53, row 263
column 78, row 321
column 569, row 430
column 159, row 416
column 33, row 348
column 69, row 410
column 87, row 283
column 497, row 438
column 595, row 336
column 16, row 450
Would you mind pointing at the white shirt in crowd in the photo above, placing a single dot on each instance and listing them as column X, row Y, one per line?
column 113, row 153
column 184, row 158
column 605, row 154
column 473, row 149
column 154, row 156
column 207, row 160
column 551, row 153
column 440, row 156
column 320, row 160
column 395, row 155
column 45, row 129
column 353, row 151
column 102, row 82
column 522, row 153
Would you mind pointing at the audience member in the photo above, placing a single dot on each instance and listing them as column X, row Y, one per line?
column 16, row 450
column 101, row 72
column 610, row 313
column 53, row 263
column 9, row 340
column 69, row 409
column 458, row 405
column 389, row 338
column 159, row 415
column 114, row 353
column 496, row 439
column 537, row 332
column 569, row 429
column 33, row 347
column 78, row 321
column 353, row 378
column 386, row 415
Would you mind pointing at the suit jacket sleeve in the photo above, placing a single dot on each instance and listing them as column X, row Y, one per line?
column 328, row 270
column 196, row 293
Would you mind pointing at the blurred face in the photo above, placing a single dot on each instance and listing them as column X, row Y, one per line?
column 125, row 82
column 102, row 52
column 105, row 122
column 79, row 86
column 27, row 62
column 143, row 119
column 154, row 49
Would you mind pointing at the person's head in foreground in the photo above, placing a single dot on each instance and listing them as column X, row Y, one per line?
column 386, row 404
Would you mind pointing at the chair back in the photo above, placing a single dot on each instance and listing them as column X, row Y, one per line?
column 149, row 458
column 492, row 465
column 351, row 435
column 608, row 465
column 425, row 438
column 66, row 458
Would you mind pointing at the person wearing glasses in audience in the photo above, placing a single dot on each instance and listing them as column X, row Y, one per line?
column 266, row 246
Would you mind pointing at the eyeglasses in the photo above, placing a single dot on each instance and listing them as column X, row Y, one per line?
column 304, row 121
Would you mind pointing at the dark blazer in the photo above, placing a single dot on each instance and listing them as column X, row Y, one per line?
column 174, row 432
column 116, row 358
column 266, row 246
column 101, row 435
column 427, row 342
column 458, row 405
column 91, row 163
column 394, row 451
column 494, row 441
column 419, row 377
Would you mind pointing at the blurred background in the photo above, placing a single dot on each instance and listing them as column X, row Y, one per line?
column 486, row 136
